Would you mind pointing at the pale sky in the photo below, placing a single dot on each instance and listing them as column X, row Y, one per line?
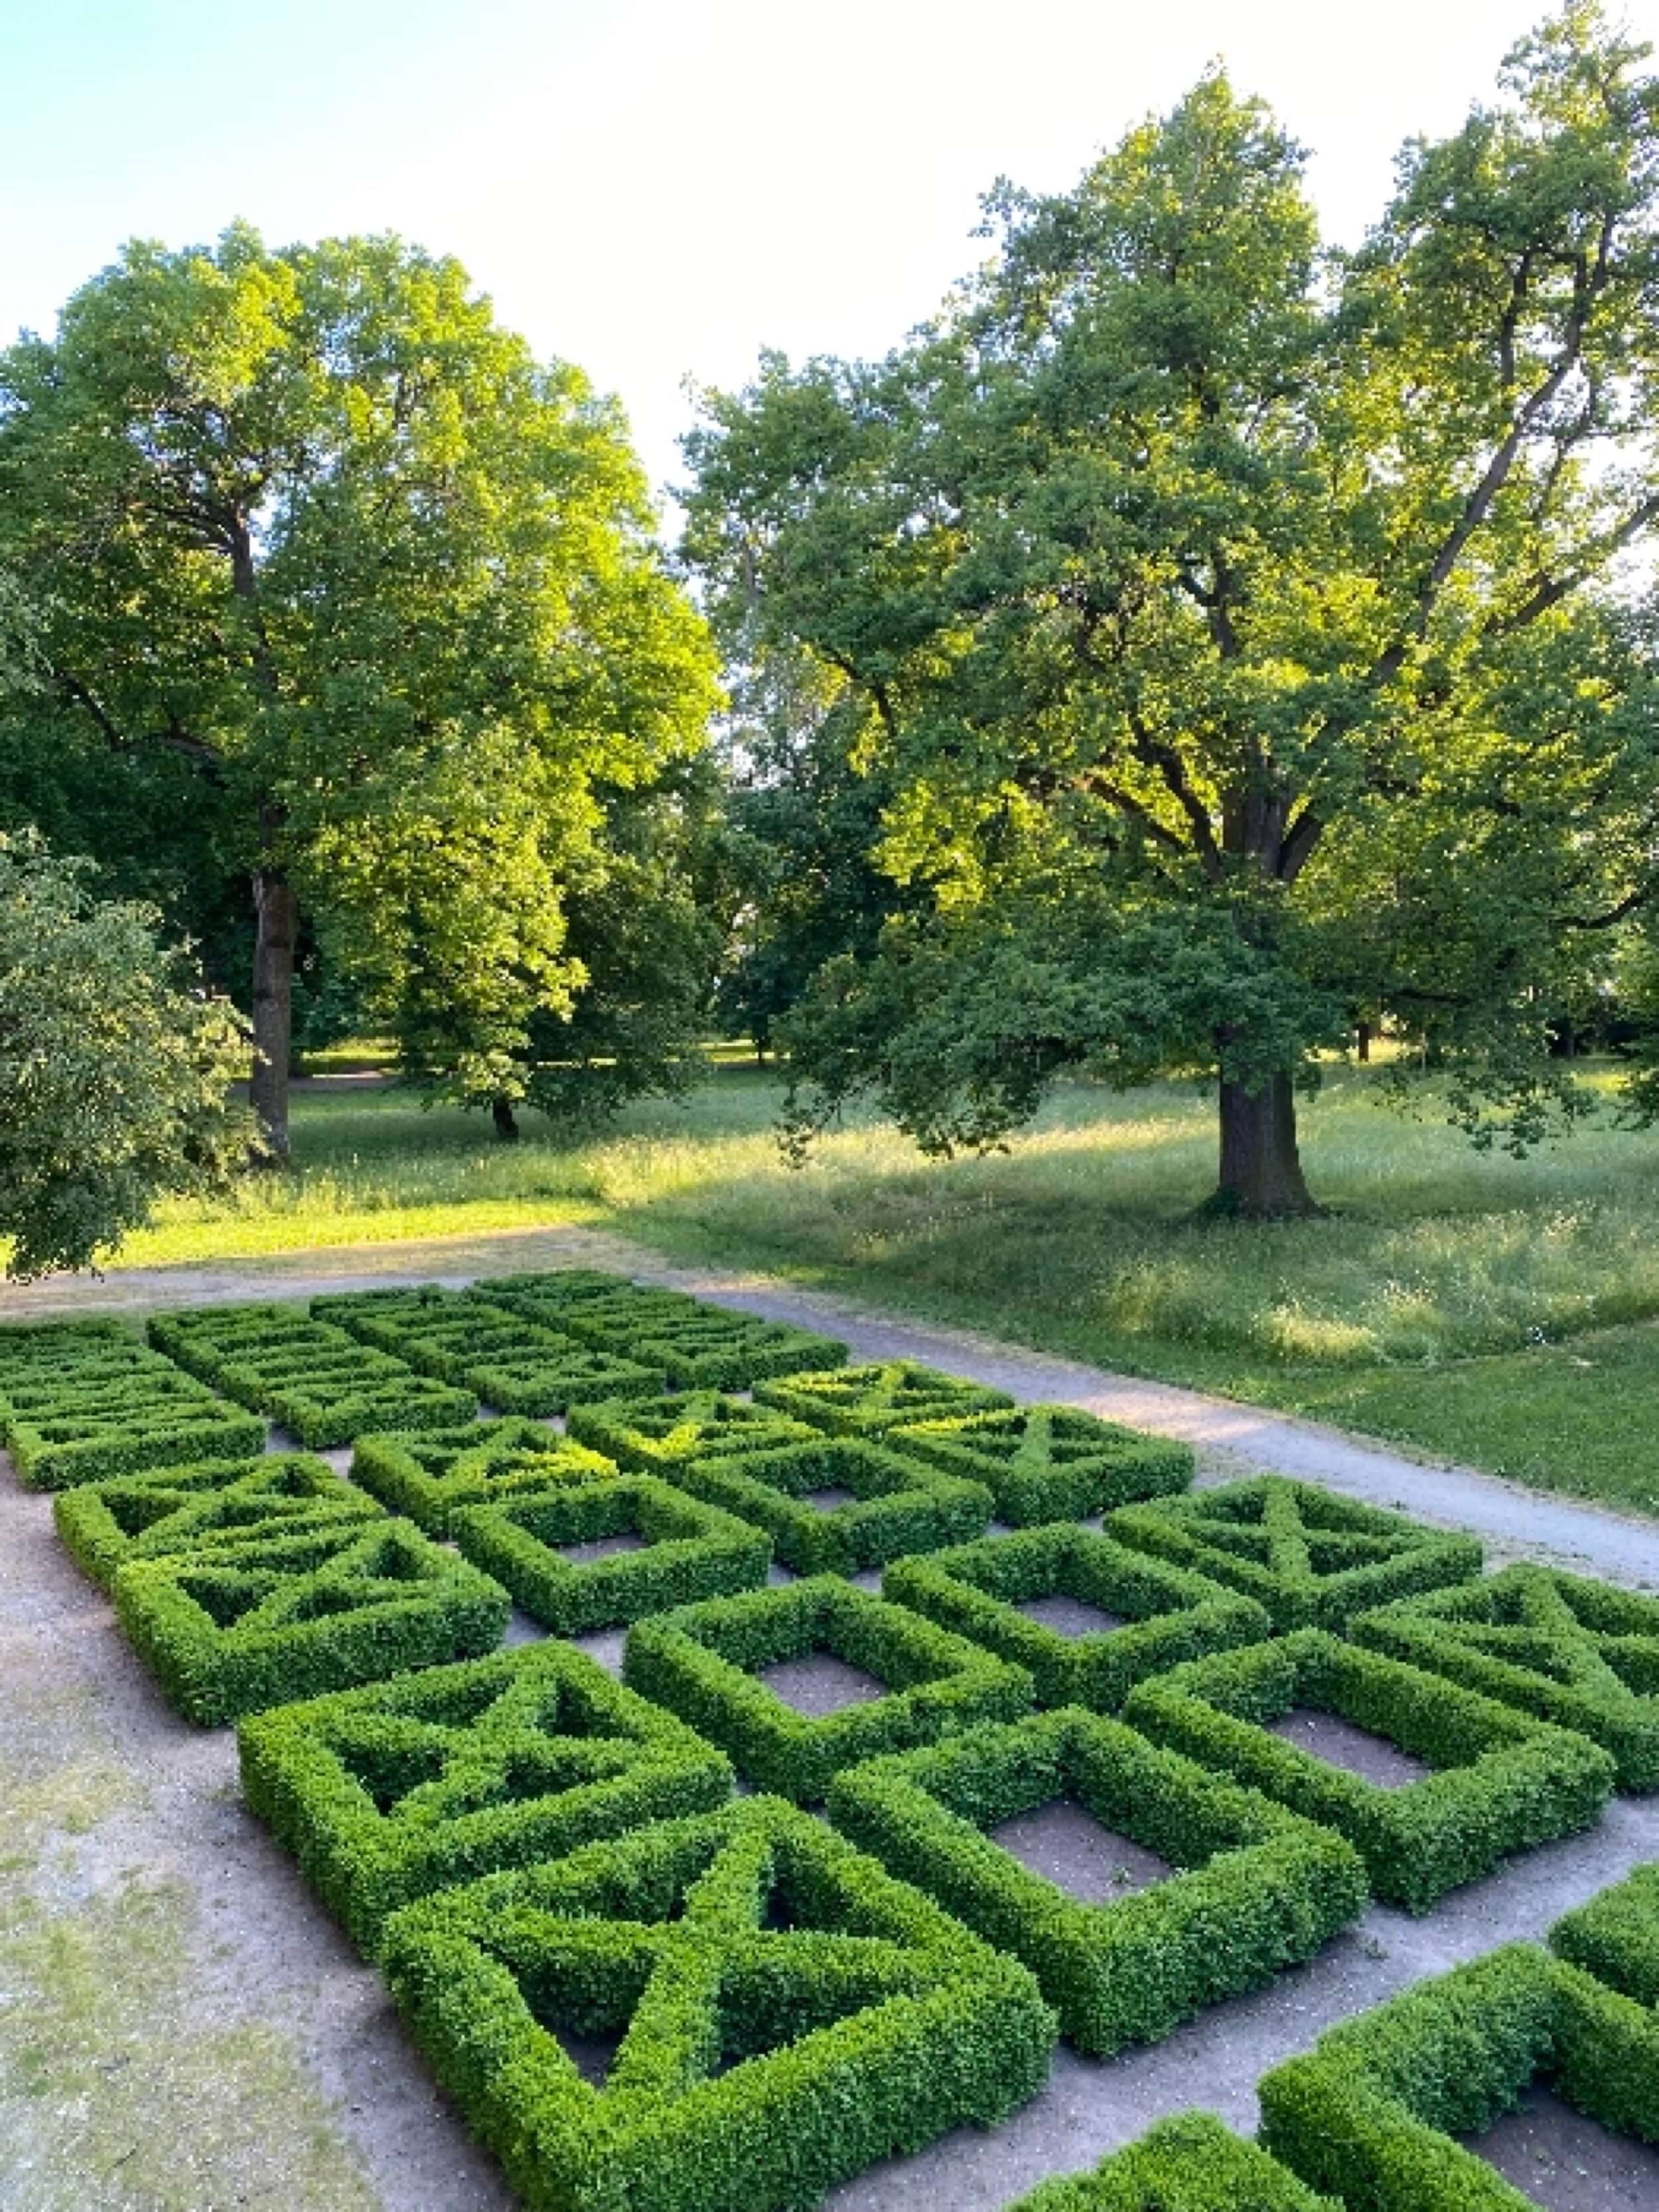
column 655, row 189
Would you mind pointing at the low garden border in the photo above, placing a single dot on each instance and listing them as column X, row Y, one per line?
column 430, row 1475
column 178, row 1511
column 1615, row 1936
column 1049, row 1462
column 1188, row 2163
column 869, row 1399
column 661, row 1435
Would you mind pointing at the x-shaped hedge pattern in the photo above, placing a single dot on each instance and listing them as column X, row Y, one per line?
column 80, row 1402
column 509, row 1360
column 664, row 1433
column 866, row 1400
column 784, row 2014
column 431, row 1474
column 1049, row 1462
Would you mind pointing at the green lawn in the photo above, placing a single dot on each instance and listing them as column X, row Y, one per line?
column 1449, row 1300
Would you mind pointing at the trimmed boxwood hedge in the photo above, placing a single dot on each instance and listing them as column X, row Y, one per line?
column 661, row 1435
column 1312, row 1558
column 171, row 1512
column 788, row 2013
column 1256, row 1890
column 1049, row 1462
column 702, row 1662
column 1372, row 2113
column 1169, row 1614
column 386, row 1794
column 896, row 1506
column 1503, row 1782
column 867, row 1400
column 1559, row 1646
column 1616, row 1936
column 701, row 1347
column 430, row 1474
column 85, row 1402
column 553, row 1287
column 1188, row 2163
column 509, row 1360
column 258, row 1624
column 690, row 1551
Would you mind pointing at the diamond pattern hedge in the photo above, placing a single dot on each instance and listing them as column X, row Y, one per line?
column 508, row 1360
column 865, row 1401
column 1190, row 2163
column 661, row 1435
column 82, row 1401
column 1049, row 1462
column 784, row 2015
column 431, row 1474
column 386, row 1794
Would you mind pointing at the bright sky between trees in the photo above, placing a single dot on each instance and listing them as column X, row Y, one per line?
column 655, row 189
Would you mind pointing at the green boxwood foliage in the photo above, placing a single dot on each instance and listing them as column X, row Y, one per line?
column 688, row 1551
column 1188, row 2163
column 702, row 1663
column 169, row 1512
column 1559, row 1646
column 1616, row 1936
column 258, row 1624
column 506, row 1359
column 1371, row 2113
column 429, row 1474
column 1168, row 1613
column 661, row 1435
column 1312, row 1558
column 1503, row 1782
column 553, row 1287
column 386, row 1794
column 892, row 1505
column 890, row 1394
column 788, row 2014
column 1049, row 1462
column 83, row 1402
column 704, row 1347
column 1256, row 1890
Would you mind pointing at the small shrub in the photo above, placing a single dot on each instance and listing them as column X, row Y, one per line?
column 659, row 1436
column 386, row 1794
column 703, row 1661
column 175, row 1511
column 430, row 1475
column 1257, row 1889
column 1503, row 1782
column 1169, row 1614
column 1188, row 2163
column 1049, row 1462
column 867, row 1401
column 1616, row 1936
column 788, row 2014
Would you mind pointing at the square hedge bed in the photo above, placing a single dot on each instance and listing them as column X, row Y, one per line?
column 703, row 1661
column 892, row 1505
column 1188, row 2163
column 1312, row 1558
column 1503, row 1782
column 81, row 1401
column 510, row 1361
column 259, row 1624
column 686, row 1551
column 867, row 1400
column 1168, row 1614
column 1372, row 2113
column 698, row 1346
column 1616, row 1936
column 168, row 1512
column 786, row 2013
column 661, row 1435
column 1559, row 1646
column 1049, row 1462
column 430, row 1474
column 1255, row 1890
column 386, row 1794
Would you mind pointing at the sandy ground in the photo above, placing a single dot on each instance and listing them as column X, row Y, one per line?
column 182, row 2029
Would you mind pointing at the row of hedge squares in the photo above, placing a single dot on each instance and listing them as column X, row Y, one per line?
column 1502, row 1783
column 1188, row 2163
column 702, row 1663
column 1372, row 2112
column 1049, row 1462
column 785, row 2015
column 310, row 1376
column 1580, row 1653
column 386, row 1794
column 430, row 1475
column 1154, row 1615
column 81, row 1401
column 1257, row 1889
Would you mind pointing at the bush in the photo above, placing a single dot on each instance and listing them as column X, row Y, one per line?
column 1169, row 1614
column 261, row 1624
column 1189, row 2163
column 430, row 1475
column 82, row 1401
column 893, row 1505
column 1049, row 1462
column 1372, row 2113
column 690, row 1551
column 1616, row 1936
column 865, row 1401
column 1503, row 1782
column 386, row 1794
column 700, row 1348
column 1313, row 1559
column 555, row 1288
column 702, row 1662
column 174, row 1512
column 659, row 1436
column 506, row 1358
column 1255, row 1891
column 1557, row 1646
column 788, row 2013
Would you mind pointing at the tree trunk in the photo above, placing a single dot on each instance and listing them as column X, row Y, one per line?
column 1363, row 1043
column 276, row 918
column 505, row 1120
column 1261, row 1177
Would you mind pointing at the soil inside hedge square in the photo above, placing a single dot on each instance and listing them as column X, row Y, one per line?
column 819, row 1682
column 600, row 1548
column 1567, row 2163
column 1064, row 1842
column 1356, row 1750
column 593, row 2056
column 1070, row 1616
column 830, row 1499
